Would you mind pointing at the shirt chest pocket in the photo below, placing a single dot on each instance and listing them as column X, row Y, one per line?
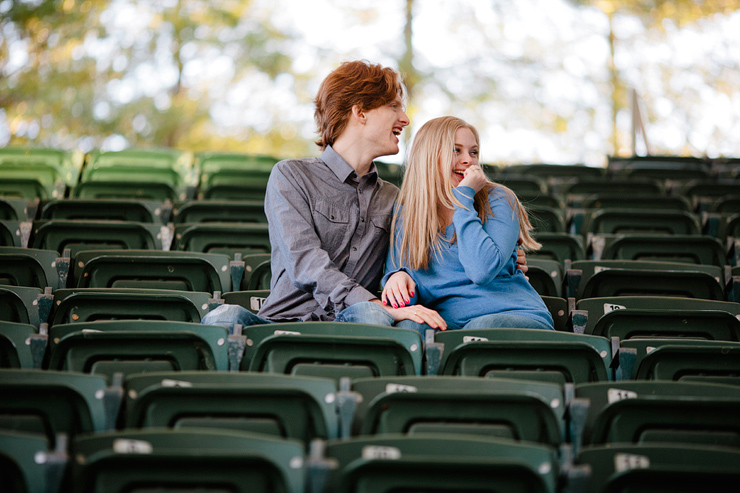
column 332, row 223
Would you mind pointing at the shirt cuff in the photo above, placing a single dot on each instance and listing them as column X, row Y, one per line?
column 466, row 195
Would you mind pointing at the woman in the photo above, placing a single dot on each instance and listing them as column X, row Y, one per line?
column 455, row 236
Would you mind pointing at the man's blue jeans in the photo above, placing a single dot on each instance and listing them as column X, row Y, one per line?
column 361, row 313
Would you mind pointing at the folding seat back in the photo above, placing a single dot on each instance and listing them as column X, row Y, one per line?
column 659, row 467
column 133, row 346
column 529, row 354
column 332, row 349
column 167, row 166
column 559, row 247
column 95, row 235
column 127, row 190
column 545, row 276
column 10, row 234
column 91, row 304
column 714, row 325
column 595, row 279
column 20, row 304
column 590, row 310
column 14, row 209
column 49, row 403
column 187, row 460
column 661, row 411
column 221, row 211
column 692, row 249
column 685, row 360
column 132, row 210
column 257, row 272
column 523, row 184
column 301, row 408
column 15, row 346
column 443, row 464
column 29, row 267
column 252, row 300
column 617, row 221
column 232, row 184
column 522, row 411
column 607, row 200
column 22, row 462
column 183, row 271
column 225, row 238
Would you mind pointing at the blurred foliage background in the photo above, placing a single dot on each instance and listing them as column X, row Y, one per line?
column 544, row 80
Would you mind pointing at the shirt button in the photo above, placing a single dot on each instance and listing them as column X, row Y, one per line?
column 354, row 249
column 362, row 219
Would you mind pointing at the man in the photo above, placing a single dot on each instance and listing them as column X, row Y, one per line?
column 330, row 216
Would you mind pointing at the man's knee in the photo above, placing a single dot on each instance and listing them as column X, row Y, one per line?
column 366, row 313
column 230, row 315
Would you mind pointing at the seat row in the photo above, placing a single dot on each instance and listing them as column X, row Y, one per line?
column 299, row 434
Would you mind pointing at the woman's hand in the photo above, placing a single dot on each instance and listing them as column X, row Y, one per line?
column 474, row 178
column 521, row 261
column 398, row 290
column 418, row 314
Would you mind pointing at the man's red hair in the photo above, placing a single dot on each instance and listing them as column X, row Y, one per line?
column 352, row 83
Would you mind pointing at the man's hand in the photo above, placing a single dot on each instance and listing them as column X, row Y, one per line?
column 521, row 261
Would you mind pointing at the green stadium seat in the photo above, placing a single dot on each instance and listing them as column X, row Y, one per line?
column 16, row 209
column 206, row 461
column 127, row 190
column 285, row 406
column 168, row 166
column 133, row 210
column 226, row 238
column 17, row 348
column 442, row 464
column 590, row 310
column 185, row 271
column 547, row 219
column 545, row 276
column 20, row 304
column 648, row 412
column 616, row 221
column 685, row 360
column 10, row 234
column 560, row 312
column 692, row 249
column 51, row 402
column 30, row 267
column 257, row 272
column 134, row 346
column 659, row 467
column 600, row 278
column 529, row 354
column 220, row 211
column 558, row 247
column 513, row 409
column 251, row 300
column 27, row 465
column 77, row 305
column 332, row 349
column 606, row 200
column 96, row 235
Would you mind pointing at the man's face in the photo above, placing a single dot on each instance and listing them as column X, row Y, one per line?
column 384, row 126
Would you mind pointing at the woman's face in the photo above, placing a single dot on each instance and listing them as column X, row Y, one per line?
column 466, row 154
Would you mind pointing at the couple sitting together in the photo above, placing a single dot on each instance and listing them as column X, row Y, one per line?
column 453, row 260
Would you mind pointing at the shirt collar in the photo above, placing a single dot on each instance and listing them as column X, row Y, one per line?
column 339, row 166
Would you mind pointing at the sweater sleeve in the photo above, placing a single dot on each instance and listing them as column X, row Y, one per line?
column 484, row 249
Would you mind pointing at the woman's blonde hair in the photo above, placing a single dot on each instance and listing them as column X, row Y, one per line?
column 427, row 187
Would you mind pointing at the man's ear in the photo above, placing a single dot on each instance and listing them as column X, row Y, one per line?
column 358, row 114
